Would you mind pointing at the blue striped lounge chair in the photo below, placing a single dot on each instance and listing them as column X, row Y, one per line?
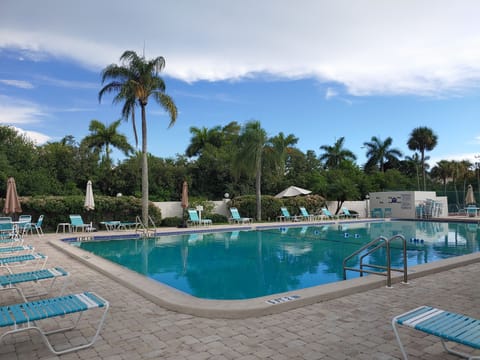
column 305, row 215
column 448, row 326
column 13, row 281
column 27, row 316
column 329, row 215
column 76, row 224
column 236, row 218
column 286, row 215
column 10, row 262
column 348, row 214
column 195, row 219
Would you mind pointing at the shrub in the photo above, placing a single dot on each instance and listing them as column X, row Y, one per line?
column 57, row 209
column 218, row 219
column 172, row 221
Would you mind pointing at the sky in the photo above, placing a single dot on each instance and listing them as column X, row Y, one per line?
column 317, row 69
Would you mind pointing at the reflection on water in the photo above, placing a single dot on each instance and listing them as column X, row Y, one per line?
column 247, row 264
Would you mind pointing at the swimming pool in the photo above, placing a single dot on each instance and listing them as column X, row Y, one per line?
column 250, row 264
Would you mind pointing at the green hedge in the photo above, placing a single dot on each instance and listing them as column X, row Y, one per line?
column 57, row 209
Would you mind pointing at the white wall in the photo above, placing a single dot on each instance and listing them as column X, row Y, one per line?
column 174, row 208
column 402, row 203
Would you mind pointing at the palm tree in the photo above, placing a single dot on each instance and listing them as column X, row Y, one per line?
column 134, row 82
column 415, row 162
column 201, row 137
column 336, row 154
column 443, row 171
column 378, row 152
column 422, row 139
column 278, row 149
column 102, row 137
column 251, row 144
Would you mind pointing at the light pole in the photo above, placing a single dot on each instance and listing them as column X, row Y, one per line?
column 367, row 205
column 477, row 170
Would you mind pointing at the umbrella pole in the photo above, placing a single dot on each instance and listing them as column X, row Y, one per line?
column 184, row 221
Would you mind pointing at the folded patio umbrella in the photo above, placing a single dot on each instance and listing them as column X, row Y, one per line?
column 12, row 202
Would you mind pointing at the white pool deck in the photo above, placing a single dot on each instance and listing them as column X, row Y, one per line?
column 346, row 320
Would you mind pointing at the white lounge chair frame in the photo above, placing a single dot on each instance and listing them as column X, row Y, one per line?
column 448, row 326
column 27, row 316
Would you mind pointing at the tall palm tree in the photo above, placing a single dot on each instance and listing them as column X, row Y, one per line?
column 422, row 139
column 378, row 152
column 336, row 154
column 134, row 82
column 102, row 137
column 248, row 160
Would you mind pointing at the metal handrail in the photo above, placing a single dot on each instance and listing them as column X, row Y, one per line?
column 377, row 244
column 144, row 228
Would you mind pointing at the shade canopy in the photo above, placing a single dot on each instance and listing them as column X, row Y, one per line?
column 470, row 197
column 89, row 200
column 12, row 202
column 185, row 195
column 292, row 191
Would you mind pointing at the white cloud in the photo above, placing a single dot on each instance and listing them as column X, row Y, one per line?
column 66, row 83
column 17, row 83
column 330, row 93
column 36, row 137
column 15, row 111
column 428, row 47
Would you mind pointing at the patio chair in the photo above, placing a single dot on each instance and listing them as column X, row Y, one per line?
column 348, row 214
column 448, row 326
column 195, row 220
column 76, row 223
column 27, row 316
column 307, row 216
column 23, row 222
column 7, row 230
column 12, row 281
column 35, row 226
column 377, row 213
column 286, row 215
column 330, row 216
column 236, row 218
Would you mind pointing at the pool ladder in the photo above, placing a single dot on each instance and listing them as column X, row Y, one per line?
column 371, row 247
column 144, row 229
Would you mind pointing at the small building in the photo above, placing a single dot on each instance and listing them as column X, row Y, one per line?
column 407, row 204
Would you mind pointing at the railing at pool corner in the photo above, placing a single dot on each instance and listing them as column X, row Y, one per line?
column 373, row 246
column 145, row 229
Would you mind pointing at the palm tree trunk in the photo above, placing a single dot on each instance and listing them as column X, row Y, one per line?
column 258, row 190
column 144, row 168
column 423, row 172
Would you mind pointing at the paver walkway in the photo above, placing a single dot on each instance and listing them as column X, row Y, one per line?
column 352, row 327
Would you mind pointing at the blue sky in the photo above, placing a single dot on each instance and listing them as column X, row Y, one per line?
column 319, row 70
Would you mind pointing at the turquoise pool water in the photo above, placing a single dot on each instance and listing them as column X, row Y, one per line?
column 249, row 264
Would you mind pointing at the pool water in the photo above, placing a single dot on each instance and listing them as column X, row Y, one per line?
column 249, row 264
